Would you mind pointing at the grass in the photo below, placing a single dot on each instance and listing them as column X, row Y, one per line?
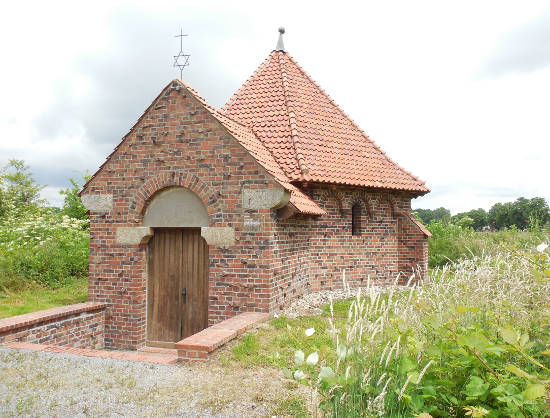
column 36, row 298
column 274, row 345
column 291, row 407
column 455, row 320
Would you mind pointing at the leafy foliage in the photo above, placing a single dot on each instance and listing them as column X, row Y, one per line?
column 522, row 213
column 473, row 342
column 37, row 243
column 452, row 242
column 531, row 214
column 429, row 215
column 72, row 205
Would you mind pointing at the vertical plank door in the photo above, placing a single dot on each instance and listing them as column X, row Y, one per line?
column 177, row 286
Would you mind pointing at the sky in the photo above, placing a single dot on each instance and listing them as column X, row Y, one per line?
column 455, row 92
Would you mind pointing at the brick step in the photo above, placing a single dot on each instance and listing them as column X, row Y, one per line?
column 200, row 346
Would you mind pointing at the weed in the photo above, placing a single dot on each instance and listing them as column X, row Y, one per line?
column 291, row 407
column 24, row 405
column 474, row 341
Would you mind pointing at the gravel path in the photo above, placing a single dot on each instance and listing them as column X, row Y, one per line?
column 39, row 384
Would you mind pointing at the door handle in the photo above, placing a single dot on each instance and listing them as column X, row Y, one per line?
column 184, row 294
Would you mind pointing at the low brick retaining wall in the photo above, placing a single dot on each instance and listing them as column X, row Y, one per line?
column 80, row 326
column 199, row 346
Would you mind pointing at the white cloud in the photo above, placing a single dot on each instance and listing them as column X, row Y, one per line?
column 79, row 77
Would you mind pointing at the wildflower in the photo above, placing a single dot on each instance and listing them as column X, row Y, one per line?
column 542, row 247
column 310, row 332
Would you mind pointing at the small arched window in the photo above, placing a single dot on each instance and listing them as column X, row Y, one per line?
column 356, row 219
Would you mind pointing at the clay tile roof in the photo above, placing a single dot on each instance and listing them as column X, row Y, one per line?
column 308, row 134
column 262, row 155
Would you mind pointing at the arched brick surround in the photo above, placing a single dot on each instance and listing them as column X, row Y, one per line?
column 146, row 193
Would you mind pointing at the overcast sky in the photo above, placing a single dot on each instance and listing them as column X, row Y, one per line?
column 458, row 93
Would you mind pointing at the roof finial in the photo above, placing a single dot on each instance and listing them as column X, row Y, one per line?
column 280, row 45
column 181, row 55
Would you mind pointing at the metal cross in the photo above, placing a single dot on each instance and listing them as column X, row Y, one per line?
column 181, row 55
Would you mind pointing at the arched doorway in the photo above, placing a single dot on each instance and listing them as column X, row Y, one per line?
column 177, row 267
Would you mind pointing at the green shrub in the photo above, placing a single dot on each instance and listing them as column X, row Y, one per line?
column 473, row 341
column 454, row 242
column 43, row 247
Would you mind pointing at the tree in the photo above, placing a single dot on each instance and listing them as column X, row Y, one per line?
column 427, row 215
column 72, row 205
column 479, row 217
column 18, row 188
column 520, row 213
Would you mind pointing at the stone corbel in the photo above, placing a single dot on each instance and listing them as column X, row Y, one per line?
column 134, row 236
column 98, row 202
column 265, row 198
column 218, row 236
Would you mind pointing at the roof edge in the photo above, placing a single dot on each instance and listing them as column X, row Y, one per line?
column 354, row 124
column 125, row 137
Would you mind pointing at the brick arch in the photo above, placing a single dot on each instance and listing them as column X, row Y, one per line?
column 389, row 199
column 332, row 194
column 147, row 192
column 363, row 200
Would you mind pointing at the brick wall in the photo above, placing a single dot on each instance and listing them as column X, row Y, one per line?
column 179, row 143
column 312, row 253
column 80, row 326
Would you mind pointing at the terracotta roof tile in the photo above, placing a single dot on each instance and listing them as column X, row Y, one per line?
column 308, row 134
column 263, row 156
column 419, row 225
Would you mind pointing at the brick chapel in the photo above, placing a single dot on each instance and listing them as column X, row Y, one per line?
column 201, row 214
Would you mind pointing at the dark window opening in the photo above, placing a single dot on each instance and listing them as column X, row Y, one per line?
column 356, row 219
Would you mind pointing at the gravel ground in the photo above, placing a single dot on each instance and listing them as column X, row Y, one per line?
column 38, row 384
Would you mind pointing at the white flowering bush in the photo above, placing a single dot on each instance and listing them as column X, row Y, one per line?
column 37, row 244
column 42, row 247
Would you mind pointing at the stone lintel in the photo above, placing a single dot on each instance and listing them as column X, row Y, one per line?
column 98, row 202
column 134, row 236
column 265, row 198
column 218, row 236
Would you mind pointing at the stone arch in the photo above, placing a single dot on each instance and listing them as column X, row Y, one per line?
column 363, row 200
column 176, row 206
column 152, row 187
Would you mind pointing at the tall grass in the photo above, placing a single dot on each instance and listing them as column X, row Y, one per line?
column 474, row 339
column 453, row 242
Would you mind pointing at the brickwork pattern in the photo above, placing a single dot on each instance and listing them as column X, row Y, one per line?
column 179, row 143
column 78, row 326
column 145, row 356
column 200, row 346
column 311, row 254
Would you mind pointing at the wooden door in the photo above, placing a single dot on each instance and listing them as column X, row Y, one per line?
column 177, row 286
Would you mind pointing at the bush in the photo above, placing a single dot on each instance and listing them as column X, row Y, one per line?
column 473, row 342
column 39, row 245
column 44, row 247
column 452, row 242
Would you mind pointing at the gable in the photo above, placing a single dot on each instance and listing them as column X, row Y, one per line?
column 147, row 139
